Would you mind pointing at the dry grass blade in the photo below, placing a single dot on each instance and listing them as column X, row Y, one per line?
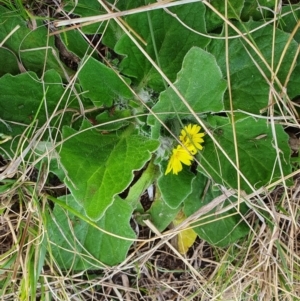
column 100, row 18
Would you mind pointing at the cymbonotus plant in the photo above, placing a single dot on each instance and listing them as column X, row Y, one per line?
column 187, row 104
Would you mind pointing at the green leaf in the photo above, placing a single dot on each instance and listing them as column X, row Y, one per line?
column 25, row 95
column 256, row 151
column 293, row 85
column 218, row 229
column 110, row 31
column 85, row 8
column 234, row 8
column 99, row 166
column 250, row 90
column 8, row 62
column 288, row 23
column 258, row 9
column 112, row 34
column 201, row 83
column 105, row 86
column 77, row 244
column 161, row 214
column 111, row 121
column 75, row 44
column 34, row 47
column 172, row 41
column 175, row 188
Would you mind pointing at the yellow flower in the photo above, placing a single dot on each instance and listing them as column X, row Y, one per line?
column 191, row 138
column 191, row 142
column 179, row 155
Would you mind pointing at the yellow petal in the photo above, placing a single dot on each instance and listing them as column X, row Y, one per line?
column 191, row 138
column 179, row 155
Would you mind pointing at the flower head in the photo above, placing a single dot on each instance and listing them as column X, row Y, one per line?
column 191, row 138
column 191, row 142
column 179, row 155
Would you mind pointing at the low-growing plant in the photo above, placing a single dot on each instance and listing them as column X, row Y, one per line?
column 189, row 99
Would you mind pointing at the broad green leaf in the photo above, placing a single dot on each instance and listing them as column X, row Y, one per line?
column 111, row 121
column 256, row 151
column 78, row 245
column 8, row 62
column 200, row 82
column 171, row 39
column 34, row 47
column 105, row 86
column 99, row 166
column 288, row 23
column 25, row 95
column 175, row 188
column 112, row 34
column 218, row 229
column 258, row 9
column 161, row 214
column 293, row 84
column 234, row 8
column 85, row 8
column 250, row 90
column 75, row 44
